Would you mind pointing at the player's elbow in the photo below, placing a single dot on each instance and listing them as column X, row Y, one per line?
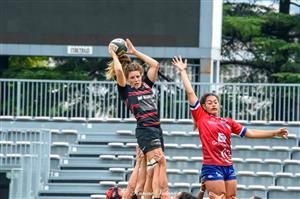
column 249, row 134
column 190, row 94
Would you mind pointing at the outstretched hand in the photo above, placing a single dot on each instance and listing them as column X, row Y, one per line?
column 283, row 132
column 131, row 49
column 179, row 63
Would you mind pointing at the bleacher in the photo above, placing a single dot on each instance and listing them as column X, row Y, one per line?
column 92, row 147
column 86, row 162
column 24, row 157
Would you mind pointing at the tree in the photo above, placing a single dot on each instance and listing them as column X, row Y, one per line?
column 67, row 68
column 258, row 38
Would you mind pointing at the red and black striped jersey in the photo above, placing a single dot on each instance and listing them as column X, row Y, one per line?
column 141, row 102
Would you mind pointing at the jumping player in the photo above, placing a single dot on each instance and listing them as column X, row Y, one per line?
column 215, row 134
column 136, row 91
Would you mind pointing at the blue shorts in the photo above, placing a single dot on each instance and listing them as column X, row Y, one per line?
column 211, row 172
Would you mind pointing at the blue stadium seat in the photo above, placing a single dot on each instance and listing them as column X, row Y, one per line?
column 295, row 153
column 287, row 179
column 93, row 163
column 292, row 166
column 278, row 192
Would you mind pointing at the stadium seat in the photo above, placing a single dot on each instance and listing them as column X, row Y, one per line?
column 94, row 151
column 195, row 188
column 182, row 162
column 97, row 196
column 192, row 175
column 125, row 132
column 275, row 141
column 246, row 177
column 257, row 190
column 184, row 176
column 84, row 176
column 179, row 186
column 69, row 135
column 54, row 161
column 265, row 178
column 278, row 192
column 60, row 148
column 287, row 179
column 242, row 151
column 273, row 165
column 94, row 163
column 281, row 152
column 257, row 164
column 296, row 153
column 293, row 191
column 181, row 137
column 242, row 191
column 176, row 150
column 97, row 138
column 71, row 189
column 292, row 166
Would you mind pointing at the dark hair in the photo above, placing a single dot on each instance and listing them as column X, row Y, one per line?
column 202, row 100
column 204, row 97
column 113, row 193
column 186, row 195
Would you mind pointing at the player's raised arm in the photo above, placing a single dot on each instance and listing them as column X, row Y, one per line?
column 182, row 66
column 153, row 64
column 115, row 68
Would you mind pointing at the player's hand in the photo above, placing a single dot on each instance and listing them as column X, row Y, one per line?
column 179, row 63
column 212, row 195
column 131, row 49
column 111, row 51
column 283, row 132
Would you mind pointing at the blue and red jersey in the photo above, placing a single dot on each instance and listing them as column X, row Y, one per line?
column 215, row 134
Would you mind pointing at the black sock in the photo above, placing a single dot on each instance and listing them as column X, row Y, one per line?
column 134, row 196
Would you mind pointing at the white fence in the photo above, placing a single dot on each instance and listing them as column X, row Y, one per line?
column 99, row 99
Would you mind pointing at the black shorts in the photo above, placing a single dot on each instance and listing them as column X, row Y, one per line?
column 150, row 138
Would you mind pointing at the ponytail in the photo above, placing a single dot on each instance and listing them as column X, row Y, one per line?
column 110, row 72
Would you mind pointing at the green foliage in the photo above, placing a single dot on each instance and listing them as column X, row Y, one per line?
column 64, row 69
column 260, row 39
column 20, row 61
column 287, row 77
column 42, row 73
column 235, row 26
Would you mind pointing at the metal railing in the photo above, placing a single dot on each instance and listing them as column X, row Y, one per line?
column 25, row 157
column 99, row 99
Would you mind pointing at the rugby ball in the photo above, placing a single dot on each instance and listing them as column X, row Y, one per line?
column 119, row 46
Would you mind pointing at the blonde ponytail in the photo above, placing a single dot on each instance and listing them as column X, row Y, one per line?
column 110, row 72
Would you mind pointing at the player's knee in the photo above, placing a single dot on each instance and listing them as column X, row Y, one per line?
column 160, row 158
column 140, row 185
